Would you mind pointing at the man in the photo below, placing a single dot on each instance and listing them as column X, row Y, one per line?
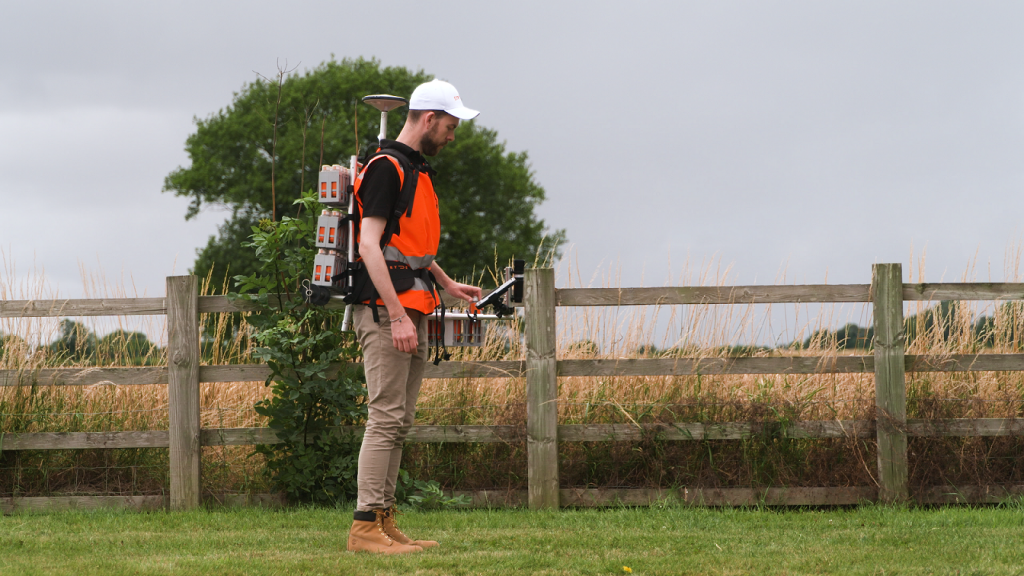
column 395, row 347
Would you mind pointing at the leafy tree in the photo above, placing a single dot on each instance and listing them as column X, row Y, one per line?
column 847, row 337
column 937, row 320
column 648, row 351
column 74, row 344
column 124, row 347
column 1006, row 327
column 299, row 343
column 582, row 349
column 944, row 322
column 853, row 336
column 257, row 155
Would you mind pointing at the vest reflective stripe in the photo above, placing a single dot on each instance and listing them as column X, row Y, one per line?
column 415, row 262
column 418, row 284
column 415, row 242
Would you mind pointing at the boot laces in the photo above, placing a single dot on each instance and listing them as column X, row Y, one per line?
column 393, row 514
column 380, row 525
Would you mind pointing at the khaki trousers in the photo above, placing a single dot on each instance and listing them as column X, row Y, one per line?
column 392, row 383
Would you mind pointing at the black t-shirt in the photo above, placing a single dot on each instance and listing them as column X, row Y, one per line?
column 381, row 185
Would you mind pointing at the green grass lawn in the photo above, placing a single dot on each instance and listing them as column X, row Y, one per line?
column 671, row 540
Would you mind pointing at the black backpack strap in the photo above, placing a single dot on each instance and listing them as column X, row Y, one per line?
column 406, row 196
column 440, row 348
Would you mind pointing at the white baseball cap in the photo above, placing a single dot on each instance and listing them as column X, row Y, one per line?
column 440, row 95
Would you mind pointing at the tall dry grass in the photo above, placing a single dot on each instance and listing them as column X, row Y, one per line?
column 584, row 333
column 703, row 331
column 26, row 346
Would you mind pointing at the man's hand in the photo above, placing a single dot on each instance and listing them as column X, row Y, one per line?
column 403, row 335
column 463, row 291
column 460, row 291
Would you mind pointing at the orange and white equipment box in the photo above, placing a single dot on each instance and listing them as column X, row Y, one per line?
column 326, row 265
column 334, row 186
column 331, row 233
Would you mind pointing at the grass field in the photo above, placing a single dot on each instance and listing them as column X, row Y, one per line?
column 669, row 540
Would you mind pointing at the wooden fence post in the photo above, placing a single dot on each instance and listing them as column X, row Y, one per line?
column 890, row 381
column 183, row 389
column 541, row 388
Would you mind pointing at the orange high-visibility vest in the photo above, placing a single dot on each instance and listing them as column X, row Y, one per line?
column 415, row 242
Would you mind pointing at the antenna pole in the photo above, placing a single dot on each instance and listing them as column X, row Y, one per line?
column 346, row 321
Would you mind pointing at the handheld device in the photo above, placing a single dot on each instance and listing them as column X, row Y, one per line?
column 510, row 292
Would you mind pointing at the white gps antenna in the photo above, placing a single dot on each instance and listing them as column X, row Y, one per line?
column 385, row 103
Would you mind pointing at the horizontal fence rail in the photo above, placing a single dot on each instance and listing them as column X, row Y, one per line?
column 139, row 306
column 824, row 293
column 516, row 369
column 676, row 431
column 837, row 293
column 712, row 295
column 886, row 297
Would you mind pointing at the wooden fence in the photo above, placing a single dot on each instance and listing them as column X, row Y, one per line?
column 183, row 374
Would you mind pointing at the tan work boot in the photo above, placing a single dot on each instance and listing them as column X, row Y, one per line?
column 391, row 527
column 367, row 535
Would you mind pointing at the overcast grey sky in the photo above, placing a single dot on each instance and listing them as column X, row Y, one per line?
column 815, row 137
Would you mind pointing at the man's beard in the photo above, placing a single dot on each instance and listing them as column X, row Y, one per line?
column 432, row 143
